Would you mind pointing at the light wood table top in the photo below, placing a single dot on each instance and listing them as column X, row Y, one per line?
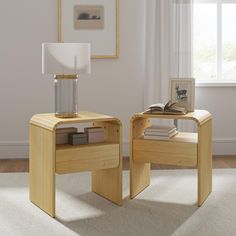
column 199, row 116
column 50, row 121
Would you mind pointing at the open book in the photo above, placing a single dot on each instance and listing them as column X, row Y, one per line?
column 169, row 108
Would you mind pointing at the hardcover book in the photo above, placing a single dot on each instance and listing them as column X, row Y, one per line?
column 170, row 107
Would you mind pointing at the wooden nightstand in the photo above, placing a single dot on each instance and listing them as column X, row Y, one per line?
column 47, row 158
column 185, row 149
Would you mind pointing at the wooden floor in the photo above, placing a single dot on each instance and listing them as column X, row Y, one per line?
column 22, row 165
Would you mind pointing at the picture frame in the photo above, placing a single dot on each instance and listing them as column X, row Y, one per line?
column 90, row 21
column 182, row 90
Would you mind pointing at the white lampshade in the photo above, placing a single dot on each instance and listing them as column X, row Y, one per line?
column 66, row 58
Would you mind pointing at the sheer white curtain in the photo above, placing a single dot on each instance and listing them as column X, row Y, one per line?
column 168, row 46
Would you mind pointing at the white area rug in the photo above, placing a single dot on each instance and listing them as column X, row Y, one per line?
column 167, row 207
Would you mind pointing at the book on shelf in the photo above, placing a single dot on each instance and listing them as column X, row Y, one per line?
column 160, row 129
column 160, row 137
column 170, row 134
column 170, row 108
column 160, row 132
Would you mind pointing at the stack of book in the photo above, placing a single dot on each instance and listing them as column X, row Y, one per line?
column 160, row 132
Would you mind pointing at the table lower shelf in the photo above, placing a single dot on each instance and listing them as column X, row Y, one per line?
column 180, row 150
column 87, row 157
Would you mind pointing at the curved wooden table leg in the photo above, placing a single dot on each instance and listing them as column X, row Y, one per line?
column 108, row 182
column 42, row 168
column 139, row 172
column 204, row 161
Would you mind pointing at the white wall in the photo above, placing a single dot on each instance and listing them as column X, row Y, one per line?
column 114, row 87
column 220, row 101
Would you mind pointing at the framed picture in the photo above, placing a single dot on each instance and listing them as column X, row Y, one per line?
column 90, row 21
column 183, row 92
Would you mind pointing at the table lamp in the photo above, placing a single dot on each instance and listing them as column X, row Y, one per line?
column 65, row 61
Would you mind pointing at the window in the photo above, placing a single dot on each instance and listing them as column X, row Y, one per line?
column 214, row 40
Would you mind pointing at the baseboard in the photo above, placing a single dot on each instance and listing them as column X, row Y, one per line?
column 224, row 146
column 126, row 148
column 14, row 150
column 17, row 149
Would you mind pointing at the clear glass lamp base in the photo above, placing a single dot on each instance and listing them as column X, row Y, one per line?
column 66, row 96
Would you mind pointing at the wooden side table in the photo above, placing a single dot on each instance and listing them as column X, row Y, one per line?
column 47, row 158
column 185, row 149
